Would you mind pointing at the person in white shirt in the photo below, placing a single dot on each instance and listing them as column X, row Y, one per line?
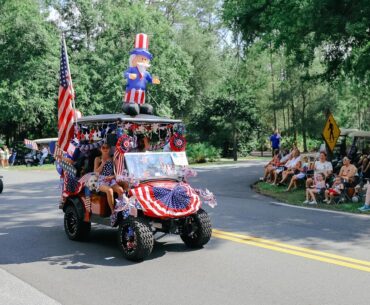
column 44, row 155
column 292, row 166
column 322, row 166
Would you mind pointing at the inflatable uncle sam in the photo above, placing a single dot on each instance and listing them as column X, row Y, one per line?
column 137, row 77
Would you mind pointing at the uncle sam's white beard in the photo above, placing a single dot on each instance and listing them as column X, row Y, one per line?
column 142, row 67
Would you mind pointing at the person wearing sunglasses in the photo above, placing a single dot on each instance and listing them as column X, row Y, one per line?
column 104, row 167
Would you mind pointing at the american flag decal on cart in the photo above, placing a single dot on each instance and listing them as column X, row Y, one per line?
column 176, row 200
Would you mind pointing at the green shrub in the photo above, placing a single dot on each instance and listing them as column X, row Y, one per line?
column 202, row 152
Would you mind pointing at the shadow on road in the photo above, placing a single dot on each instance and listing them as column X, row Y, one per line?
column 31, row 230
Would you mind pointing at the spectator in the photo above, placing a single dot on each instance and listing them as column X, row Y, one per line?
column 335, row 190
column 44, row 155
column 2, row 157
column 271, row 166
column 315, row 189
column 292, row 166
column 275, row 140
column 364, row 168
column 322, row 166
column 6, row 156
column 347, row 171
column 13, row 155
column 301, row 174
column 366, row 206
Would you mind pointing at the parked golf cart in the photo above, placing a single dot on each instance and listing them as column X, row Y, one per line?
column 34, row 156
column 159, row 199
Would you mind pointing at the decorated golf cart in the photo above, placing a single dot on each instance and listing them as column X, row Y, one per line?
column 158, row 197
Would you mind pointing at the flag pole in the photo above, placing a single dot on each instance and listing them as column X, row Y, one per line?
column 70, row 79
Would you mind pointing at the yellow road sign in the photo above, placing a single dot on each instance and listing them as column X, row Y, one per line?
column 331, row 132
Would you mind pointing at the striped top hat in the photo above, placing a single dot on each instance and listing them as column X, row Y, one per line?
column 142, row 46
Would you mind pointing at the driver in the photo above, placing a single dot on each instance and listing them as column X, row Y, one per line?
column 104, row 167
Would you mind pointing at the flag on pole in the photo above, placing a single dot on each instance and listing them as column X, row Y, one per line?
column 65, row 102
column 31, row 144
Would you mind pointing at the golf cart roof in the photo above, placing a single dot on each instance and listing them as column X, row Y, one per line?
column 347, row 131
column 141, row 118
column 360, row 134
column 45, row 141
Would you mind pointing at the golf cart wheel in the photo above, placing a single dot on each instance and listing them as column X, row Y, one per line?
column 197, row 230
column 75, row 228
column 28, row 164
column 1, row 186
column 135, row 239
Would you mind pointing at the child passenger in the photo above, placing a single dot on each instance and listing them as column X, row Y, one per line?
column 315, row 189
column 104, row 167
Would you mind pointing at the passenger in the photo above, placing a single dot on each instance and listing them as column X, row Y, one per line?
column 104, row 167
column 143, row 143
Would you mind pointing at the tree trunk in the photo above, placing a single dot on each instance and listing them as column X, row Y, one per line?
column 288, row 120
column 303, row 122
column 273, row 87
column 235, row 143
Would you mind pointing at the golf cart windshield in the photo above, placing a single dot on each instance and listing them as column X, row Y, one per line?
column 155, row 165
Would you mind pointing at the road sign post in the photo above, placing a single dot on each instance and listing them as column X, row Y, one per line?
column 331, row 133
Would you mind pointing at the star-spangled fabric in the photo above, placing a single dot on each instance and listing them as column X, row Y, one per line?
column 65, row 97
column 73, row 185
column 173, row 200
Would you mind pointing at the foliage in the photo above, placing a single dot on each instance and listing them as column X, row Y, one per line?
column 202, row 152
column 340, row 28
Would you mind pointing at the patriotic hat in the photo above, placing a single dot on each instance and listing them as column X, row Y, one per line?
column 142, row 46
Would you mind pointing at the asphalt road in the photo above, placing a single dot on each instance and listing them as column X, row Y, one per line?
column 265, row 264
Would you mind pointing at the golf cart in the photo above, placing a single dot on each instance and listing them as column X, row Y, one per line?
column 34, row 156
column 158, row 197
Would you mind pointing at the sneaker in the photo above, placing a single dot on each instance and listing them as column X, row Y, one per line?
column 364, row 208
column 313, row 202
column 306, row 202
column 262, row 179
column 326, row 200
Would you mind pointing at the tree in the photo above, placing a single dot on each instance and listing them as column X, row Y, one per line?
column 28, row 70
column 339, row 28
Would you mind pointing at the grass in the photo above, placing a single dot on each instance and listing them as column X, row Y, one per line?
column 297, row 197
column 226, row 161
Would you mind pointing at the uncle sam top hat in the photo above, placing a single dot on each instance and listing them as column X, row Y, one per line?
column 141, row 46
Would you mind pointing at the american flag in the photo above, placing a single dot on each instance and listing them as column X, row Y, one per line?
column 65, row 98
column 172, row 200
column 119, row 164
column 31, row 144
column 72, row 185
column 58, row 153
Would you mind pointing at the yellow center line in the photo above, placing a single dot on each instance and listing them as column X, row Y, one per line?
column 294, row 250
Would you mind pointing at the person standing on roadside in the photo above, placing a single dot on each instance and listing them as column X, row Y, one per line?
column 275, row 141
column 2, row 157
column 6, row 156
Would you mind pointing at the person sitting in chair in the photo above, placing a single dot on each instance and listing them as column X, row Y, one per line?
column 335, row 190
column 103, row 166
column 347, row 171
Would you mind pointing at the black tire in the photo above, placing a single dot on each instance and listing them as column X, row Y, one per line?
column 197, row 230
column 135, row 239
column 75, row 228
column 1, row 186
